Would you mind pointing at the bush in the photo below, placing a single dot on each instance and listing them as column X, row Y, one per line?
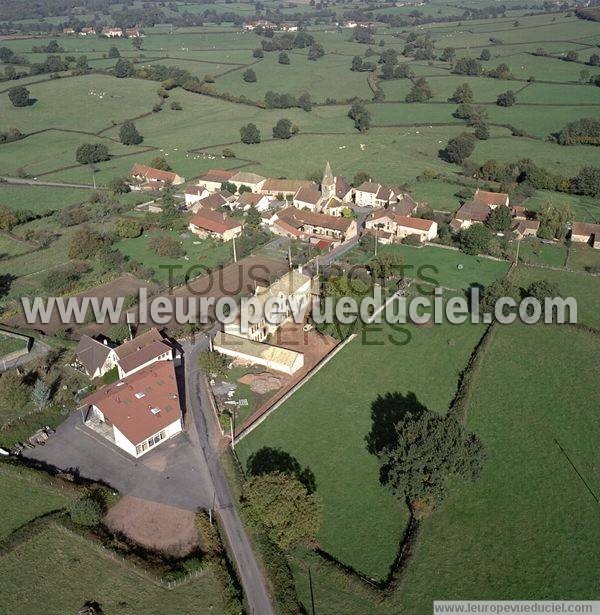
column 128, row 228
column 412, row 240
column 86, row 512
column 167, row 247
column 249, row 76
column 506, row 99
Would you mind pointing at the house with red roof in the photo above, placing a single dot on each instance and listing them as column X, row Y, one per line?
column 149, row 178
column 138, row 412
column 142, row 351
column 209, row 223
column 396, row 226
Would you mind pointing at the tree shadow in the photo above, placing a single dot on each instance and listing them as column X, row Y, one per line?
column 267, row 459
column 386, row 411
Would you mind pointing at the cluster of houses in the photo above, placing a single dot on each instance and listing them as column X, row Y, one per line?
column 108, row 32
column 524, row 223
column 142, row 407
column 253, row 24
column 320, row 214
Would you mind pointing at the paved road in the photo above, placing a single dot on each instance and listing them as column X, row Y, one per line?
column 199, row 405
column 35, row 182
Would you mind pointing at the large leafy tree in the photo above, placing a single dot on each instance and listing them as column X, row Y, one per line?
column 250, row 134
column 459, row 148
column 554, row 221
column 282, row 505
column 19, row 96
column 500, row 218
column 475, row 239
column 421, row 451
column 129, row 135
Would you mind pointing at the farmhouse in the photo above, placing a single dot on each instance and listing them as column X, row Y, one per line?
column 133, row 33
column 405, row 205
column 142, row 351
column 249, row 199
column 194, row 194
column 94, row 358
column 257, row 353
column 214, row 201
column 209, row 223
column 252, row 180
column 87, row 31
column 314, row 227
column 478, row 209
column 69, row 31
column 334, row 206
column 292, row 288
column 308, row 198
column 586, row 232
column 148, row 178
column 112, row 32
column 525, row 228
column 138, row 412
column 402, row 226
column 370, row 194
column 213, row 179
column 285, row 187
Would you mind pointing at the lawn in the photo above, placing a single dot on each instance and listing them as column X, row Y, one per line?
column 529, row 528
column 41, row 566
column 536, row 252
column 10, row 344
column 583, row 257
column 298, row 76
column 439, row 195
column 27, row 495
column 324, row 425
column 40, row 198
column 204, row 252
column 491, row 538
column 584, row 208
column 441, row 266
column 582, row 286
column 11, row 247
column 88, row 102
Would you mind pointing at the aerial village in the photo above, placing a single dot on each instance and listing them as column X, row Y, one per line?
column 143, row 407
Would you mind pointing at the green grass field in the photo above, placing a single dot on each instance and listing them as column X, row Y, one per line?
column 41, row 565
column 10, row 344
column 536, row 252
column 27, row 495
column 582, row 286
column 324, row 425
column 203, row 252
column 40, row 198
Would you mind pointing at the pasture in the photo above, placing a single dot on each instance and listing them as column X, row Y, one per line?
column 42, row 563
column 324, row 425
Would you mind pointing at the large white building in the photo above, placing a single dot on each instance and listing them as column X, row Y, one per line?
column 138, row 412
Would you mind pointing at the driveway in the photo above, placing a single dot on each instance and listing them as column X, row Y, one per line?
column 171, row 474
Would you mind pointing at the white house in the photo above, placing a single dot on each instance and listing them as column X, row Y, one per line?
column 142, row 351
column 291, row 289
column 139, row 412
column 194, row 194
column 213, row 179
column 249, row 199
column 399, row 226
column 308, row 198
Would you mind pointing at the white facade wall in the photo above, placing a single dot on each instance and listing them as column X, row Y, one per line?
column 364, row 199
column 123, row 443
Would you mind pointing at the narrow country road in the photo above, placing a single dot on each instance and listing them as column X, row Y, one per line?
column 208, row 434
column 35, row 182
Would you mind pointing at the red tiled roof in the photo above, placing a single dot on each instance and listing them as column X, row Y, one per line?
column 472, row 210
column 370, row 187
column 217, row 175
column 138, row 351
column 489, row 198
column 214, row 221
column 298, row 218
column 407, row 221
column 308, row 194
column 141, row 170
column 129, row 403
column 286, row 185
column 585, row 228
